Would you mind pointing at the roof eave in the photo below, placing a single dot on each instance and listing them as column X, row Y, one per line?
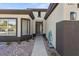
column 51, row 8
column 42, row 10
column 13, row 11
column 32, row 16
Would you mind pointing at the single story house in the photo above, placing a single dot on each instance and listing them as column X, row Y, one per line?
column 16, row 25
column 59, row 23
column 62, row 20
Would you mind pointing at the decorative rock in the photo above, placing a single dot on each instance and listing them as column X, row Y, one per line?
column 15, row 49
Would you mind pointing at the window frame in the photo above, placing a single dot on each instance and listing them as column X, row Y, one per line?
column 16, row 24
column 28, row 26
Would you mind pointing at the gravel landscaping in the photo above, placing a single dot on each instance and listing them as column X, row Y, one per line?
column 50, row 51
column 16, row 49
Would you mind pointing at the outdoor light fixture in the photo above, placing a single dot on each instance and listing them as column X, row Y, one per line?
column 73, row 15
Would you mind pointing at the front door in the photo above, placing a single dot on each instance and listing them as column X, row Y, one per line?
column 39, row 28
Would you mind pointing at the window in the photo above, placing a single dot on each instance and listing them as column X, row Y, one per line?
column 7, row 27
column 73, row 15
column 25, row 26
column 39, row 14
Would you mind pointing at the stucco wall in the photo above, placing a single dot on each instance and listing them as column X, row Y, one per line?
column 61, row 12
column 19, row 21
column 56, row 16
column 39, row 19
column 70, row 8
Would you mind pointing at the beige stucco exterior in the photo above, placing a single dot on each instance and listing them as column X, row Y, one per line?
column 18, row 21
column 61, row 12
column 56, row 16
column 32, row 22
column 39, row 19
column 70, row 8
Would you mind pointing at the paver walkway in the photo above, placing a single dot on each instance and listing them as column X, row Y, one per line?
column 39, row 48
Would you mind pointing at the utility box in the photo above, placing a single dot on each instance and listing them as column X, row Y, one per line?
column 67, row 38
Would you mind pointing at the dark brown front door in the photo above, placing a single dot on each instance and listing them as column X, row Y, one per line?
column 39, row 28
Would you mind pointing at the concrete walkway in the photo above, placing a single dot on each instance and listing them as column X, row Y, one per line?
column 39, row 48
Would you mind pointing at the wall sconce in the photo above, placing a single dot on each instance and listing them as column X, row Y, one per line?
column 73, row 15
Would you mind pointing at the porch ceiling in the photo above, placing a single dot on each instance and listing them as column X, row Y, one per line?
column 37, row 10
column 14, row 11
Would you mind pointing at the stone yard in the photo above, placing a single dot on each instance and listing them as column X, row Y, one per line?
column 50, row 51
column 24, row 48
column 16, row 49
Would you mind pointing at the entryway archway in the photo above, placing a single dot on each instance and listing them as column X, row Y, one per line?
column 39, row 28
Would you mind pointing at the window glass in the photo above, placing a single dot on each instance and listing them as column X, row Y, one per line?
column 11, row 27
column 3, row 27
column 7, row 27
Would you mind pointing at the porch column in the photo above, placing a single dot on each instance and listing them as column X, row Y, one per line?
column 19, row 28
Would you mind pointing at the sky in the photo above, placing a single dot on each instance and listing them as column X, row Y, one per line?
column 23, row 5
